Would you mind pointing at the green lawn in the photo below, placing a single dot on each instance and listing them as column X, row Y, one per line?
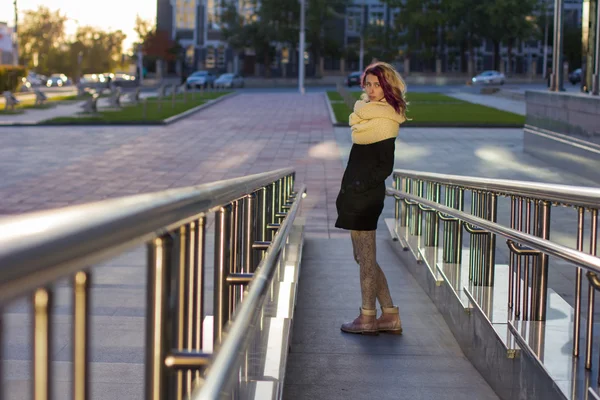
column 30, row 104
column 151, row 111
column 436, row 108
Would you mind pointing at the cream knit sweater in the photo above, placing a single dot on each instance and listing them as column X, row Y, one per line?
column 373, row 122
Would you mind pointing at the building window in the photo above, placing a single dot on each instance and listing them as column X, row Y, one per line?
column 376, row 18
column 186, row 14
column 353, row 21
column 215, row 10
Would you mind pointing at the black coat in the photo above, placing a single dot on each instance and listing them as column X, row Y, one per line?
column 362, row 193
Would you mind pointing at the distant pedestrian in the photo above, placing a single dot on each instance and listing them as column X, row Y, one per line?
column 375, row 123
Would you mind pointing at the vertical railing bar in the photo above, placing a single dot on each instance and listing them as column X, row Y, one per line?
column 181, row 285
column 199, row 285
column 519, row 259
column 81, row 335
column 157, row 318
column 436, row 218
column 222, row 264
column 542, row 281
column 419, row 211
column 249, row 234
column 263, row 214
column 459, row 225
column 526, row 266
column 493, row 214
column 472, row 241
column 235, row 259
column 591, row 291
column 42, row 335
column 511, row 258
column 578, row 278
column 191, row 287
column 536, row 261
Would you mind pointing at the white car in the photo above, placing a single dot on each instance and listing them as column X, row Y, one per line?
column 200, row 79
column 489, row 77
column 229, row 81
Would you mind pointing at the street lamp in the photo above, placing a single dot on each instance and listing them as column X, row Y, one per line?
column 557, row 72
column 15, row 37
column 362, row 40
column 302, row 45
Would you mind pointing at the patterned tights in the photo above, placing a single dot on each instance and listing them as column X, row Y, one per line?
column 372, row 279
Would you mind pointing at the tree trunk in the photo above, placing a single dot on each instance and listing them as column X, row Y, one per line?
column 267, row 65
column 510, row 55
column 463, row 57
column 470, row 67
column 496, row 54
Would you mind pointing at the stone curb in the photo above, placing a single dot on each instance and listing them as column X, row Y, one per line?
column 167, row 121
column 330, row 108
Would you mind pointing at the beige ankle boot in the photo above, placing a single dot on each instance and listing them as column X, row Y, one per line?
column 389, row 321
column 366, row 323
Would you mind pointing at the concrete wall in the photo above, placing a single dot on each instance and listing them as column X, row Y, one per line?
column 573, row 114
column 563, row 129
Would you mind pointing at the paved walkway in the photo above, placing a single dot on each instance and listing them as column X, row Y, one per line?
column 500, row 103
column 424, row 363
column 67, row 109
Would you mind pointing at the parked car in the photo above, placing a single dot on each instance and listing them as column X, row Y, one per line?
column 200, row 79
column 58, row 80
column 575, row 76
column 489, row 77
column 32, row 80
column 353, row 79
column 121, row 79
column 229, row 81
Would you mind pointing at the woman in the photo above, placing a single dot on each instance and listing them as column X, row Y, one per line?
column 375, row 123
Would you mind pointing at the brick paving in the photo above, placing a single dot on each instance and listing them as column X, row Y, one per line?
column 43, row 168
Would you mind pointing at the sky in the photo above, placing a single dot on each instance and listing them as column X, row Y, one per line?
column 104, row 14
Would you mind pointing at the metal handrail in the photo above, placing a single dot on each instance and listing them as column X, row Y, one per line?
column 52, row 244
column 223, row 368
column 579, row 258
column 563, row 194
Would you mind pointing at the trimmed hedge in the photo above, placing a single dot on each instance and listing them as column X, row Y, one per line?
column 10, row 77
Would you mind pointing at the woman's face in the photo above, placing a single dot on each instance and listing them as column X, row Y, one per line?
column 373, row 88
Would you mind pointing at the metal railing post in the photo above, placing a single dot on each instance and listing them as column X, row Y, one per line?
column 180, row 237
column 157, row 319
column 42, row 343
column 540, row 290
column 578, row 278
column 249, row 234
column 511, row 256
column 460, row 205
column 591, row 291
column 491, row 240
column 198, row 312
column 222, row 264
column 81, row 335
column 397, row 211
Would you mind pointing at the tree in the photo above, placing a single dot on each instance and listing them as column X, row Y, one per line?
column 509, row 21
column 159, row 45
column 320, row 29
column 466, row 19
column 420, row 23
column 143, row 28
column 41, row 34
column 101, row 50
